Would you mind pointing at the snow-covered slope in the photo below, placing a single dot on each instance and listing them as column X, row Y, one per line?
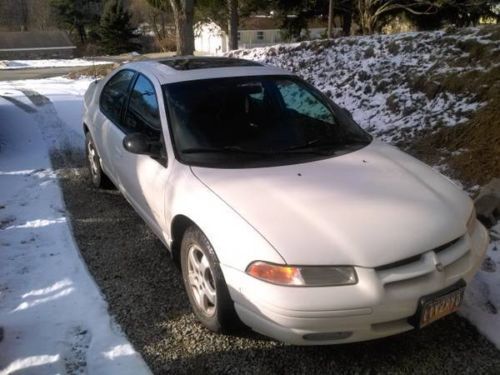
column 381, row 79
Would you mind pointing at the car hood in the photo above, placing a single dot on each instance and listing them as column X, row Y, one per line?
column 367, row 208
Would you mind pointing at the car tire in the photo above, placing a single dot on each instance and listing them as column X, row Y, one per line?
column 97, row 176
column 205, row 284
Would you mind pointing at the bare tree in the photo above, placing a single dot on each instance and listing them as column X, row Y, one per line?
column 371, row 11
column 183, row 11
column 233, row 23
column 40, row 16
column 183, row 17
column 160, row 22
column 14, row 15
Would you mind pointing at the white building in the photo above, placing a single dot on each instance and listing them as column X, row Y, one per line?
column 257, row 31
column 209, row 38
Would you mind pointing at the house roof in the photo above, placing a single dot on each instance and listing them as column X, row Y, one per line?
column 259, row 23
column 273, row 23
column 33, row 40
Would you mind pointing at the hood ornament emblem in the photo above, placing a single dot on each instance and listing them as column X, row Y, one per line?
column 439, row 267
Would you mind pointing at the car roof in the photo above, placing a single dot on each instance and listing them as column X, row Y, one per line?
column 177, row 69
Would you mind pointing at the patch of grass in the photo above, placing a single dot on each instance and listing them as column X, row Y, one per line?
column 423, row 84
column 484, row 84
column 476, row 50
column 393, row 47
column 369, row 53
column 393, row 104
column 478, row 138
column 382, row 85
column 490, row 31
column 363, row 75
column 97, row 71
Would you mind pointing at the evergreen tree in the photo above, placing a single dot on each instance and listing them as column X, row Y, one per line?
column 115, row 31
column 80, row 16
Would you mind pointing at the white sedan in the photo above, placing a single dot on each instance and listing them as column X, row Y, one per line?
column 281, row 211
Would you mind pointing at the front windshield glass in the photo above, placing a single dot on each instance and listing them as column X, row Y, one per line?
column 257, row 121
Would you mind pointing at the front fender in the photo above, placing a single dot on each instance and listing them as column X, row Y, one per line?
column 235, row 241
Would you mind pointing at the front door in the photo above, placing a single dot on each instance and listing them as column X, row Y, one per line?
column 142, row 178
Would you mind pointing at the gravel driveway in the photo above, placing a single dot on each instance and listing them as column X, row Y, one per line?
column 145, row 294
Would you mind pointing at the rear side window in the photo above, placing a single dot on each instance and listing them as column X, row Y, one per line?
column 114, row 94
column 143, row 114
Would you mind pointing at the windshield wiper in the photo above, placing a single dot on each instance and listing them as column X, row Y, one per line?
column 318, row 143
column 226, row 149
column 306, row 148
column 237, row 149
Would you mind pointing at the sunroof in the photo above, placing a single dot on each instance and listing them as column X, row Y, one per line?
column 206, row 63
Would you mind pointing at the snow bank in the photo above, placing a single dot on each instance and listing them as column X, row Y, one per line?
column 50, row 63
column 482, row 300
column 53, row 316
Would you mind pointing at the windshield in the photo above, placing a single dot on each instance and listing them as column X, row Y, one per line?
column 257, row 121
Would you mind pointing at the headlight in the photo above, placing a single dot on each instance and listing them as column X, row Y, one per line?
column 303, row 275
column 471, row 223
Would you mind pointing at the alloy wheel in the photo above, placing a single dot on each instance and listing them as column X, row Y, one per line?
column 201, row 281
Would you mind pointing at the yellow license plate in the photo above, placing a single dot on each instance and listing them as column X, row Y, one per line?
column 438, row 307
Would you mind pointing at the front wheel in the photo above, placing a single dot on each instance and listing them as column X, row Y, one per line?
column 205, row 284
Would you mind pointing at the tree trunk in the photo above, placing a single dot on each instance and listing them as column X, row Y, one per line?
column 366, row 23
column 233, row 24
column 81, row 33
column 330, row 19
column 23, row 15
column 183, row 12
column 347, row 18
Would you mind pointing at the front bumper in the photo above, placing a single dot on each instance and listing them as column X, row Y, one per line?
column 379, row 305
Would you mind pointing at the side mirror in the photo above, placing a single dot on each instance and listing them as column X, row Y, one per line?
column 138, row 143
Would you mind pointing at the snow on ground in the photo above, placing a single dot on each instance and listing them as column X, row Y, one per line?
column 379, row 78
column 482, row 300
column 53, row 317
column 50, row 63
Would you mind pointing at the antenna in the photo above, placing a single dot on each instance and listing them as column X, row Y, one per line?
column 93, row 65
column 92, row 58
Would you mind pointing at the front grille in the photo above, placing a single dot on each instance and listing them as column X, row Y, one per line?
column 399, row 263
column 446, row 245
column 416, row 257
column 453, row 255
